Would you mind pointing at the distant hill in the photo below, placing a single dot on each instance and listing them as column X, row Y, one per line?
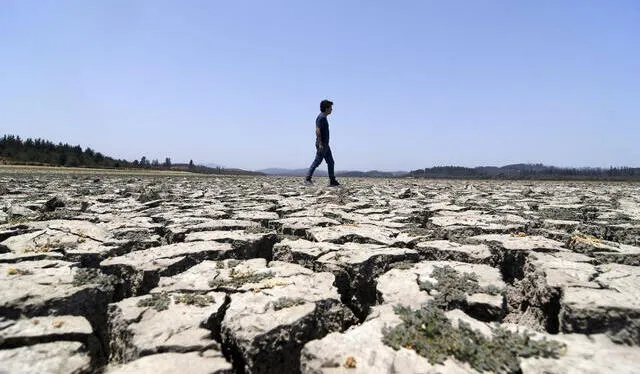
column 371, row 174
column 292, row 172
column 339, row 173
column 212, row 170
column 527, row 171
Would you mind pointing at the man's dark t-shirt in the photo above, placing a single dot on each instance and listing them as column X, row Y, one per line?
column 323, row 125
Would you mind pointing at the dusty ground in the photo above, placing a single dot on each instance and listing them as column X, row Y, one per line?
column 158, row 273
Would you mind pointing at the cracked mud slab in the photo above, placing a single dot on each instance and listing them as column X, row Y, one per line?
column 355, row 266
column 403, row 286
column 273, row 309
column 59, row 357
column 208, row 362
column 141, row 270
column 145, row 325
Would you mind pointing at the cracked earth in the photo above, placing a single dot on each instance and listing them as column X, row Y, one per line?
column 167, row 274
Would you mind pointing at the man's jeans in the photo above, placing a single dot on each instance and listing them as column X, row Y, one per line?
column 320, row 155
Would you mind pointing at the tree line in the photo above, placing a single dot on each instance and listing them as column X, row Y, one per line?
column 38, row 151
column 43, row 152
column 14, row 150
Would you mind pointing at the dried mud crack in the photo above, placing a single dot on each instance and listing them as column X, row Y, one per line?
column 116, row 274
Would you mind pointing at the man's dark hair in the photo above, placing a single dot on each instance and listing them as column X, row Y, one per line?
column 325, row 104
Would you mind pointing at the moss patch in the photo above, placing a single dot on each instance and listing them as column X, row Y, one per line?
column 193, row 299
column 402, row 265
column 94, row 276
column 237, row 279
column 147, row 196
column 257, row 230
column 428, row 332
column 287, row 302
column 39, row 249
column 227, row 264
column 158, row 302
column 18, row 271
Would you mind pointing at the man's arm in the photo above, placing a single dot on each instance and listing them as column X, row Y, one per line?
column 320, row 137
column 319, row 145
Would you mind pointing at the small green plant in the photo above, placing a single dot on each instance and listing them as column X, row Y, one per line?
column 588, row 213
column 17, row 220
column 228, row 264
column 94, row 276
column 237, row 279
column 582, row 242
column 257, row 230
column 287, row 302
column 149, row 195
column 193, row 299
column 402, row 265
column 492, row 290
column 233, row 263
column 416, row 231
column 453, row 288
column 622, row 217
column 157, row 301
column 421, row 218
column 291, row 237
column 18, row 271
column 429, row 333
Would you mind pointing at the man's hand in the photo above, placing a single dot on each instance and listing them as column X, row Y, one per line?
column 320, row 147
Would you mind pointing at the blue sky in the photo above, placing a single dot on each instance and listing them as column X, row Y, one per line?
column 415, row 83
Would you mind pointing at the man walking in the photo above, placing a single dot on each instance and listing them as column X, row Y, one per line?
column 323, row 151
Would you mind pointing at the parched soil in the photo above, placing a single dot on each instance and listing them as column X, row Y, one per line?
column 120, row 273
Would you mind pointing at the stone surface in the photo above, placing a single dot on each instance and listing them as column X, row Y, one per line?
column 365, row 346
column 594, row 354
column 141, row 270
column 140, row 326
column 274, row 309
column 438, row 250
column 40, row 288
column 61, row 357
column 355, row 266
column 519, row 242
column 76, row 240
column 301, row 225
column 245, row 244
column 612, row 307
column 402, row 286
column 44, row 329
column 208, row 362
column 354, row 233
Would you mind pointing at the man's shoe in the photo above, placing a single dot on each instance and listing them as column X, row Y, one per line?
column 334, row 183
column 308, row 180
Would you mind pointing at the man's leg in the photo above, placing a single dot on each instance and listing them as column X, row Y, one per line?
column 316, row 162
column 328, row 157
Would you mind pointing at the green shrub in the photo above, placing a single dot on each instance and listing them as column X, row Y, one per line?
column 453, row 288
column 430, row 334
